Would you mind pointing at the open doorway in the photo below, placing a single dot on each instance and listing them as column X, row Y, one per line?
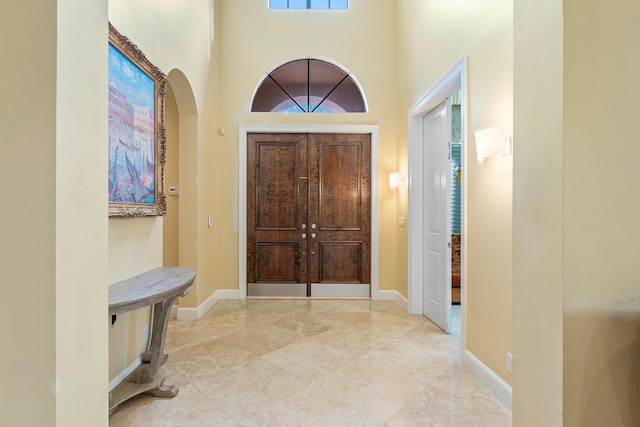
column 456, row 211
column 431, row 274
column 171, row 222
column 179, row 225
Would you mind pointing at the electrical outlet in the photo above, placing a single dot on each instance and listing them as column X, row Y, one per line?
column 145, row 334
column 509, row 362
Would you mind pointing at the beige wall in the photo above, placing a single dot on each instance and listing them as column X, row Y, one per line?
column 433, row 36
column 81, row 226
column 576, row 316
column 601, row 211
column 362, row 40
column 135, row 246
column 27, row 229
column 538, row 213
column 53, row 232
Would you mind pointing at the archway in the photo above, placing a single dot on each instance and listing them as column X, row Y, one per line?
column 179, row 227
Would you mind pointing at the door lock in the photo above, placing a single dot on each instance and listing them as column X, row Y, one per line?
column 304, row 235
column 303, row 226
column 313, row 226
column 313, row 235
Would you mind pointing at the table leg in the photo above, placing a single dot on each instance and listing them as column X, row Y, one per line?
column 155, row 356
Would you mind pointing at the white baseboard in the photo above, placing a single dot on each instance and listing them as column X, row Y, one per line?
column 493, row 382
column 394, row 296
column 124, row 374
column 195, row 313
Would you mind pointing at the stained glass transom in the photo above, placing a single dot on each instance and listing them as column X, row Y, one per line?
column 309, row 86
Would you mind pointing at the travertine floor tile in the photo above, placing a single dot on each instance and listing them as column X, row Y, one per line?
column 245, row 390
column 308, row 407
column 309, row 360
column 189, row 408
column 261, row 362
column 436, row 408
column 207, row 359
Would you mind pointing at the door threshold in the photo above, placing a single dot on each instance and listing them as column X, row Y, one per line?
column 310, row 298
column 318, row 290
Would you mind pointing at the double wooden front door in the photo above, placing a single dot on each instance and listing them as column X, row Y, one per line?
column 308, row 214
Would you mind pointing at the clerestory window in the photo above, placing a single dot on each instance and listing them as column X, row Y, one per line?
column 309, row 86
column 309, row 4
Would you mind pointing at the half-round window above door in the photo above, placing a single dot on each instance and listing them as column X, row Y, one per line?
column 309, row 86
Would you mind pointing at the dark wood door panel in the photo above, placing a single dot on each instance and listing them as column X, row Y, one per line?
column 277, row 205
column 276, row 186
column 308, row 210
column 340, row 262
column 277, row 262
column 340, row 206
column 339, row 186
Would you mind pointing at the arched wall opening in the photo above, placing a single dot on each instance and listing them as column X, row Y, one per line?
column 179, row 228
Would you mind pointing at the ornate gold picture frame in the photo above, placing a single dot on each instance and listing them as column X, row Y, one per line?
column 137, row 139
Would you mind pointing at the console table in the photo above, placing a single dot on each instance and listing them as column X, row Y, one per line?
column 158, row 288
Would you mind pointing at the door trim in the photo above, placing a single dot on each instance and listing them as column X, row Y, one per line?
column 455, row 78
column 242, row 189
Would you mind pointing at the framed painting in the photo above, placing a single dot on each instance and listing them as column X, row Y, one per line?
column 137, row 140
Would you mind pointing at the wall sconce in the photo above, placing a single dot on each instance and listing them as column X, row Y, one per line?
column 492, row 141
column 396, row 180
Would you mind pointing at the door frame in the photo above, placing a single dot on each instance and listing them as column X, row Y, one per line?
column 455, row 78
column 242, row 189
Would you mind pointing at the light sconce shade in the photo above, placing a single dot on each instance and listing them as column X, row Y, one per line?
column 396, row 180
column 492, row 141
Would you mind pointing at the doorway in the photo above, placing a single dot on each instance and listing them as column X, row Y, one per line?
column 308, row 214
column 436, row 140
column 179, row 225
column 425, row 281
column 241, row 224
column 171, row 221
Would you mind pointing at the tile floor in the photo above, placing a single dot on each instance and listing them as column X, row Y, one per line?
column 259, row 362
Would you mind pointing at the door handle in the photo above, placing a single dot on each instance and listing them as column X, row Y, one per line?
column 313, row 235
column 304, row 235
column 303, row 226
column 313, row 226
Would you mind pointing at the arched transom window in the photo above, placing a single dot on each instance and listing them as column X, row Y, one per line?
column 309, row 86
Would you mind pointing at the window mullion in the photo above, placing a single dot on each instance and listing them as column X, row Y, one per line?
column 287, row 93
column 332, row 90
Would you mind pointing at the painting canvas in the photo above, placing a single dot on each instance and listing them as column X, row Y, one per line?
column 136, row 131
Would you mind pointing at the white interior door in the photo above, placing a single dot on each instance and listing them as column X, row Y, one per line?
column 437, row 220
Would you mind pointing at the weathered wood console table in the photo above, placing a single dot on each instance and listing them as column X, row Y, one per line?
column 159, row 288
